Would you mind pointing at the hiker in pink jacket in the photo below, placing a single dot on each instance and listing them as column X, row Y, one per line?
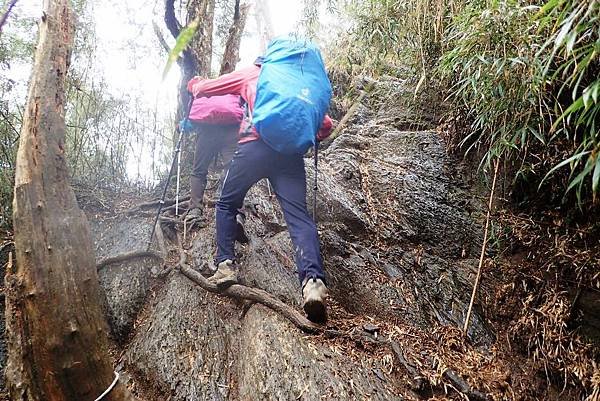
column 216, row 120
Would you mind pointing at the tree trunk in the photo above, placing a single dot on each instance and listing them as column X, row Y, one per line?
column 196, row 59
column 57, row 333
column 187, row 61
column 231, row 55
column 202, row 44
column 263, row 24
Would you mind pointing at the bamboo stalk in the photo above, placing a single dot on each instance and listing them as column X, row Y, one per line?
column 483, row 246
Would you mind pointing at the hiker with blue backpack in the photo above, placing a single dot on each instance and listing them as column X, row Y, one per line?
column 287, row 94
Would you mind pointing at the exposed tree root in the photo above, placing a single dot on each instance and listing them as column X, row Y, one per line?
column 418, row 383
column 169, row 204
column 145, row 206
column 251, row 294
column 127, row 256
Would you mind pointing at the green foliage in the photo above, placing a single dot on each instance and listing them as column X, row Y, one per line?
column 9, row 136
column 573, row 66
column 524, row 72
column 496, row 77
column 527, row 77
column 183, row 40
column 410, row 31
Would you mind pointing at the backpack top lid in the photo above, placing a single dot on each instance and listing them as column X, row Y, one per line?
column 292, row 95
column 288, row 47
column 217, row 110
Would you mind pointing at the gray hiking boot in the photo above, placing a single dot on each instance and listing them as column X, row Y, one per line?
column 225, row 275
column 194, row 214
column 314, row 293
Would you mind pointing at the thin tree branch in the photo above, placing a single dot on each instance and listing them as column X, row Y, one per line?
column 171, row 21
column 5, row 15
column 483, row 246
column 9, row 123
column 160, row 37
column 232, row 47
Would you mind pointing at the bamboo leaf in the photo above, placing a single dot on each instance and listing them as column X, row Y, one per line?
column 596, row 175
column 576, row 105
column 183, row 40
column 560, row 38
column 421, row 80
column 579, row 179
column 564, row 163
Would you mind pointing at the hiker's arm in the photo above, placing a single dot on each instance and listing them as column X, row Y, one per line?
column 224, row 85
column 325, row 129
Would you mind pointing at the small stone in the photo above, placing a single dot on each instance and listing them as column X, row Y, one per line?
column 379, row 374
column 371, row 328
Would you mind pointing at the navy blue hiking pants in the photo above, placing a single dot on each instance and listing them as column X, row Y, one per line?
column 252, row 162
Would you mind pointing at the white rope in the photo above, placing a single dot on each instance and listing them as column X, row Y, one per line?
column 112, row 385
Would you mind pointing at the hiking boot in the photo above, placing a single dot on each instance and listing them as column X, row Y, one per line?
column 225, row 275
column 314, row 293
column 194, row 214
column 240, row 235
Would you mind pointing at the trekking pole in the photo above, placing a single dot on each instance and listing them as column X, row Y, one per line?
column 316, row 151
column 175, row 158
column 177, row 185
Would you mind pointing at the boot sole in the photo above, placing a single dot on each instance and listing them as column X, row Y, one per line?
column 316, row 311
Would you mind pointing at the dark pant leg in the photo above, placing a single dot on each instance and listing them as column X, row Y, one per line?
column 246, row 168
column 206, row 149
column 228, row 147
column 211, row 140
column 229, row 144
column 289, row 183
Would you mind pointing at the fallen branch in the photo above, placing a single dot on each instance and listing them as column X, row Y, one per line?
column 349, row 113
column 127, row 256
column 170, row 220
column 185, row 204
column 418, row 382
column 169, row 204
column 463, row 386
column 6, row 244
column 155, row 203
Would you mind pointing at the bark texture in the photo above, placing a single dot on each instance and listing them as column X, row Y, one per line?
column 231, row 55
column 57, row 334
column 125, row 282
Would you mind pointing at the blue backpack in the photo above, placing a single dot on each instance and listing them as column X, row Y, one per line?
column 292, row 95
